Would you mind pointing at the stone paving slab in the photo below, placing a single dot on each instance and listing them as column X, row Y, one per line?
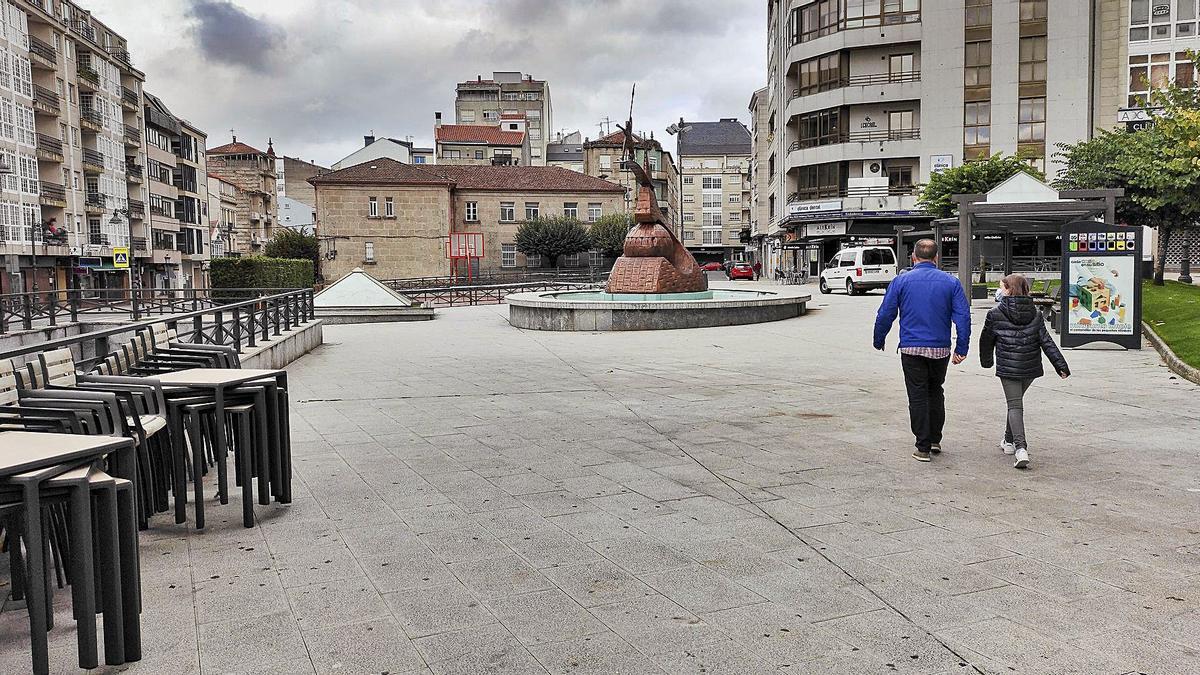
column 471, row 498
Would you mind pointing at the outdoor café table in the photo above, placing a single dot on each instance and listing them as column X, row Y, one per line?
column 22, row 452
column 219, row 381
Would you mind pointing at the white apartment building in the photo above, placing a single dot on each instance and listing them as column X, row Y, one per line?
column 513, row 95
column 867, row 98
column 714, row 170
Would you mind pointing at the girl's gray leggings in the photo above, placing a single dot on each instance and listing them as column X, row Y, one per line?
column 1014, row 392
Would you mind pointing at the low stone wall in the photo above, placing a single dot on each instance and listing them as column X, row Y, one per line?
column 541, row 311
column 286, row 348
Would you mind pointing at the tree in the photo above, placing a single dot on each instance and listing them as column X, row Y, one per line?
column 608, row 233
column 977, row 177
column 291, row 244
column 552, row 237
column 1159, row 168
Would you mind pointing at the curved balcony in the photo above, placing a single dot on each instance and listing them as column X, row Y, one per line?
column 858, row 90
column 855, row 38
column 858, row 145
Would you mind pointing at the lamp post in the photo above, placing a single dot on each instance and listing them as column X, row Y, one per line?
column 1185, row 259
column 677, row 130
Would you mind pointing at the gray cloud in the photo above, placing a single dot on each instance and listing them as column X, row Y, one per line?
column 318, row 74
column 225, row 32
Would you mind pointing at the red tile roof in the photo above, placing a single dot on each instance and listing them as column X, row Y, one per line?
column 467, row 133
column 383, row 171
column 512, row 116
column 235, row 148
column 467, row 177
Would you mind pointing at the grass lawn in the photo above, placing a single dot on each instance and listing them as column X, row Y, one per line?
column 1173, row 311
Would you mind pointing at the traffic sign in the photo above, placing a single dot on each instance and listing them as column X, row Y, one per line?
column 121, row 257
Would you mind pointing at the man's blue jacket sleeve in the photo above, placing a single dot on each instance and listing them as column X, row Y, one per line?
column 961, row 314
column 887, row 312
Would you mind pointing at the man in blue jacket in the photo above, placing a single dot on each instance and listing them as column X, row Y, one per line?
column 928, row 300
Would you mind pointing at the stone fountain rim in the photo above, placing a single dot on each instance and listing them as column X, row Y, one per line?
column 781, row 296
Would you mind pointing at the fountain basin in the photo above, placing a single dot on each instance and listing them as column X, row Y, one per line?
column 600, row 311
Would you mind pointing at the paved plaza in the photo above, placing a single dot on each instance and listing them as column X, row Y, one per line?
column 471, row 498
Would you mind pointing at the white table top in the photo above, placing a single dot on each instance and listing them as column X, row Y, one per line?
column 22, row 451
column 213, row 377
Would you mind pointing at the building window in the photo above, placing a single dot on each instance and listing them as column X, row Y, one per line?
column 372, row 207
column 531, row 210
column 533, row 260
column 688, row 180
column 711, row 201
column 605, row 162
column 1033, row 59
column 1185, row 70
column 689, row 199
column 735, row 199
column 711, row 220
column 570, row 260
column 711, row 183
column 595, row 210
column 508, row 212
column 689, row 217
column 418, row 159
column 452, row 154
column 900, row 180
column 595, row 258
column 689, row 235
column 735, row 217
column 824, row 73
column 978, row 13
column 491, row 115
column 978, row 64
column 508, row 255
column 977, row 123
column 369, row 253
column 472, row 212
column 821, row 128
column 466, row 116
column 1033, row 10
column 389, row 207
column 1031, row 120
column 712, row 236
column 820, row 181
column 1185, row 14
column 571, row 209
column 900, row 124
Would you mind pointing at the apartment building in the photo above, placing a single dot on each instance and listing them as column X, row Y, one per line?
column 761, row 175
column 294, row 194
column 867, row 98
column 222, row 216
column 253, row 172
column 602, row 158
column 566, row 151
column 394, row 219
column 191, row 210
column 70, row 106
column 714, row 170
column 502, row 143
column 512, row 95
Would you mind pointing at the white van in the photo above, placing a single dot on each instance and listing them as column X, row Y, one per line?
column 859, row 269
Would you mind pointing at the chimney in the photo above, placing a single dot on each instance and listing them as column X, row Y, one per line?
column 367, row 140
column 437, row 120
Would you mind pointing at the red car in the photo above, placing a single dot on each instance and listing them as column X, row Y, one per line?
column 711, row 267
column 741, row 271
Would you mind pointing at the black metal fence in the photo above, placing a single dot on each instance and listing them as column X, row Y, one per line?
column 486, row 294
column 24, row 311
column 242, row 324
column 570, row 275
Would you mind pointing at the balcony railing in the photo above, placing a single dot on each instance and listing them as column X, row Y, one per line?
column 90, row 114
column 867, row 80
column 42, row 49
column 129, row 96
column 852, row 193
column 93, row 157
column 53, row 192
column 95, row 200
column 132, row 135
column 49, row 144
column 120, row 54
column 133, row 170
column 879, row 135
column 137, row 209
column 98, row 238
column 88, row 75
column 139, row 244
column 45, row 97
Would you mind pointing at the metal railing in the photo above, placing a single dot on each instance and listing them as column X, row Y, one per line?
column 46, row 97
column 878, row 135
column 93, row 157
column 53, row 191
column 139, row 243
column 86, row 74
column 129, row 96
column 238, row 324
column 581, row 275
column 133, row 135
column 91, row 115
column 134, row 170
column 137, row 208
column 24, row 311
column 489, row 294
column 42, row 49
column 49, row 144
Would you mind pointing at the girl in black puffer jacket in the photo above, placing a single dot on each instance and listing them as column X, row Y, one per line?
column 1015, row 331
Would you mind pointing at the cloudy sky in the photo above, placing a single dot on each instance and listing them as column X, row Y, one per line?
column 319, row 74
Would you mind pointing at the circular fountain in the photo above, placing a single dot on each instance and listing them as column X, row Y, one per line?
column 603, row 311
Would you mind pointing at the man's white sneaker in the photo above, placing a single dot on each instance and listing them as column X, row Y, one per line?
column 1022, row 458
column 1007, row 447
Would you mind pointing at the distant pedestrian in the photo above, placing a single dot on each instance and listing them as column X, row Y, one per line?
column 757, row 269
column 928, row 301
column 1016, row 332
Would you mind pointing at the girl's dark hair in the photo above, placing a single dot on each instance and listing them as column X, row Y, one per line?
column 1016, row 284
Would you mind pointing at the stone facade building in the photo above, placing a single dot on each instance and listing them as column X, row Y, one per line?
column 714, row 166
column 222, row 215
column 602, row 159
column 253, row 171
column 512, row 94
column 762, row 173
column 394, row 219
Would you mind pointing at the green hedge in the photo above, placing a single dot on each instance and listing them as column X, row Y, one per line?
column 261, row 272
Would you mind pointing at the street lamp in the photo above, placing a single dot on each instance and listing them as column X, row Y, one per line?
column 678, row 130
column 15, row 262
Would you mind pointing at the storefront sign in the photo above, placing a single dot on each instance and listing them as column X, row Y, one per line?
column 939, row 163
column 1137, row 114
column 1101, row 272
column 824, row 229
column 88, row 263
column 801, row 208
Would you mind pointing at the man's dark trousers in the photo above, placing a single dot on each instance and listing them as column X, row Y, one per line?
column 926, row 400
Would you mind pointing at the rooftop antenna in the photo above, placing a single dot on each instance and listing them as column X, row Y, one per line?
column 605, row 126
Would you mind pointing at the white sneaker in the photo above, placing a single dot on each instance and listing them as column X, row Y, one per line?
column 1007, row 447
column 1022, row 457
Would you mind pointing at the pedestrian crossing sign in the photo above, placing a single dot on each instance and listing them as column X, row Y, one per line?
column 121, row 258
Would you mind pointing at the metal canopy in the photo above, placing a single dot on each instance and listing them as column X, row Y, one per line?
column 1020, row 205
